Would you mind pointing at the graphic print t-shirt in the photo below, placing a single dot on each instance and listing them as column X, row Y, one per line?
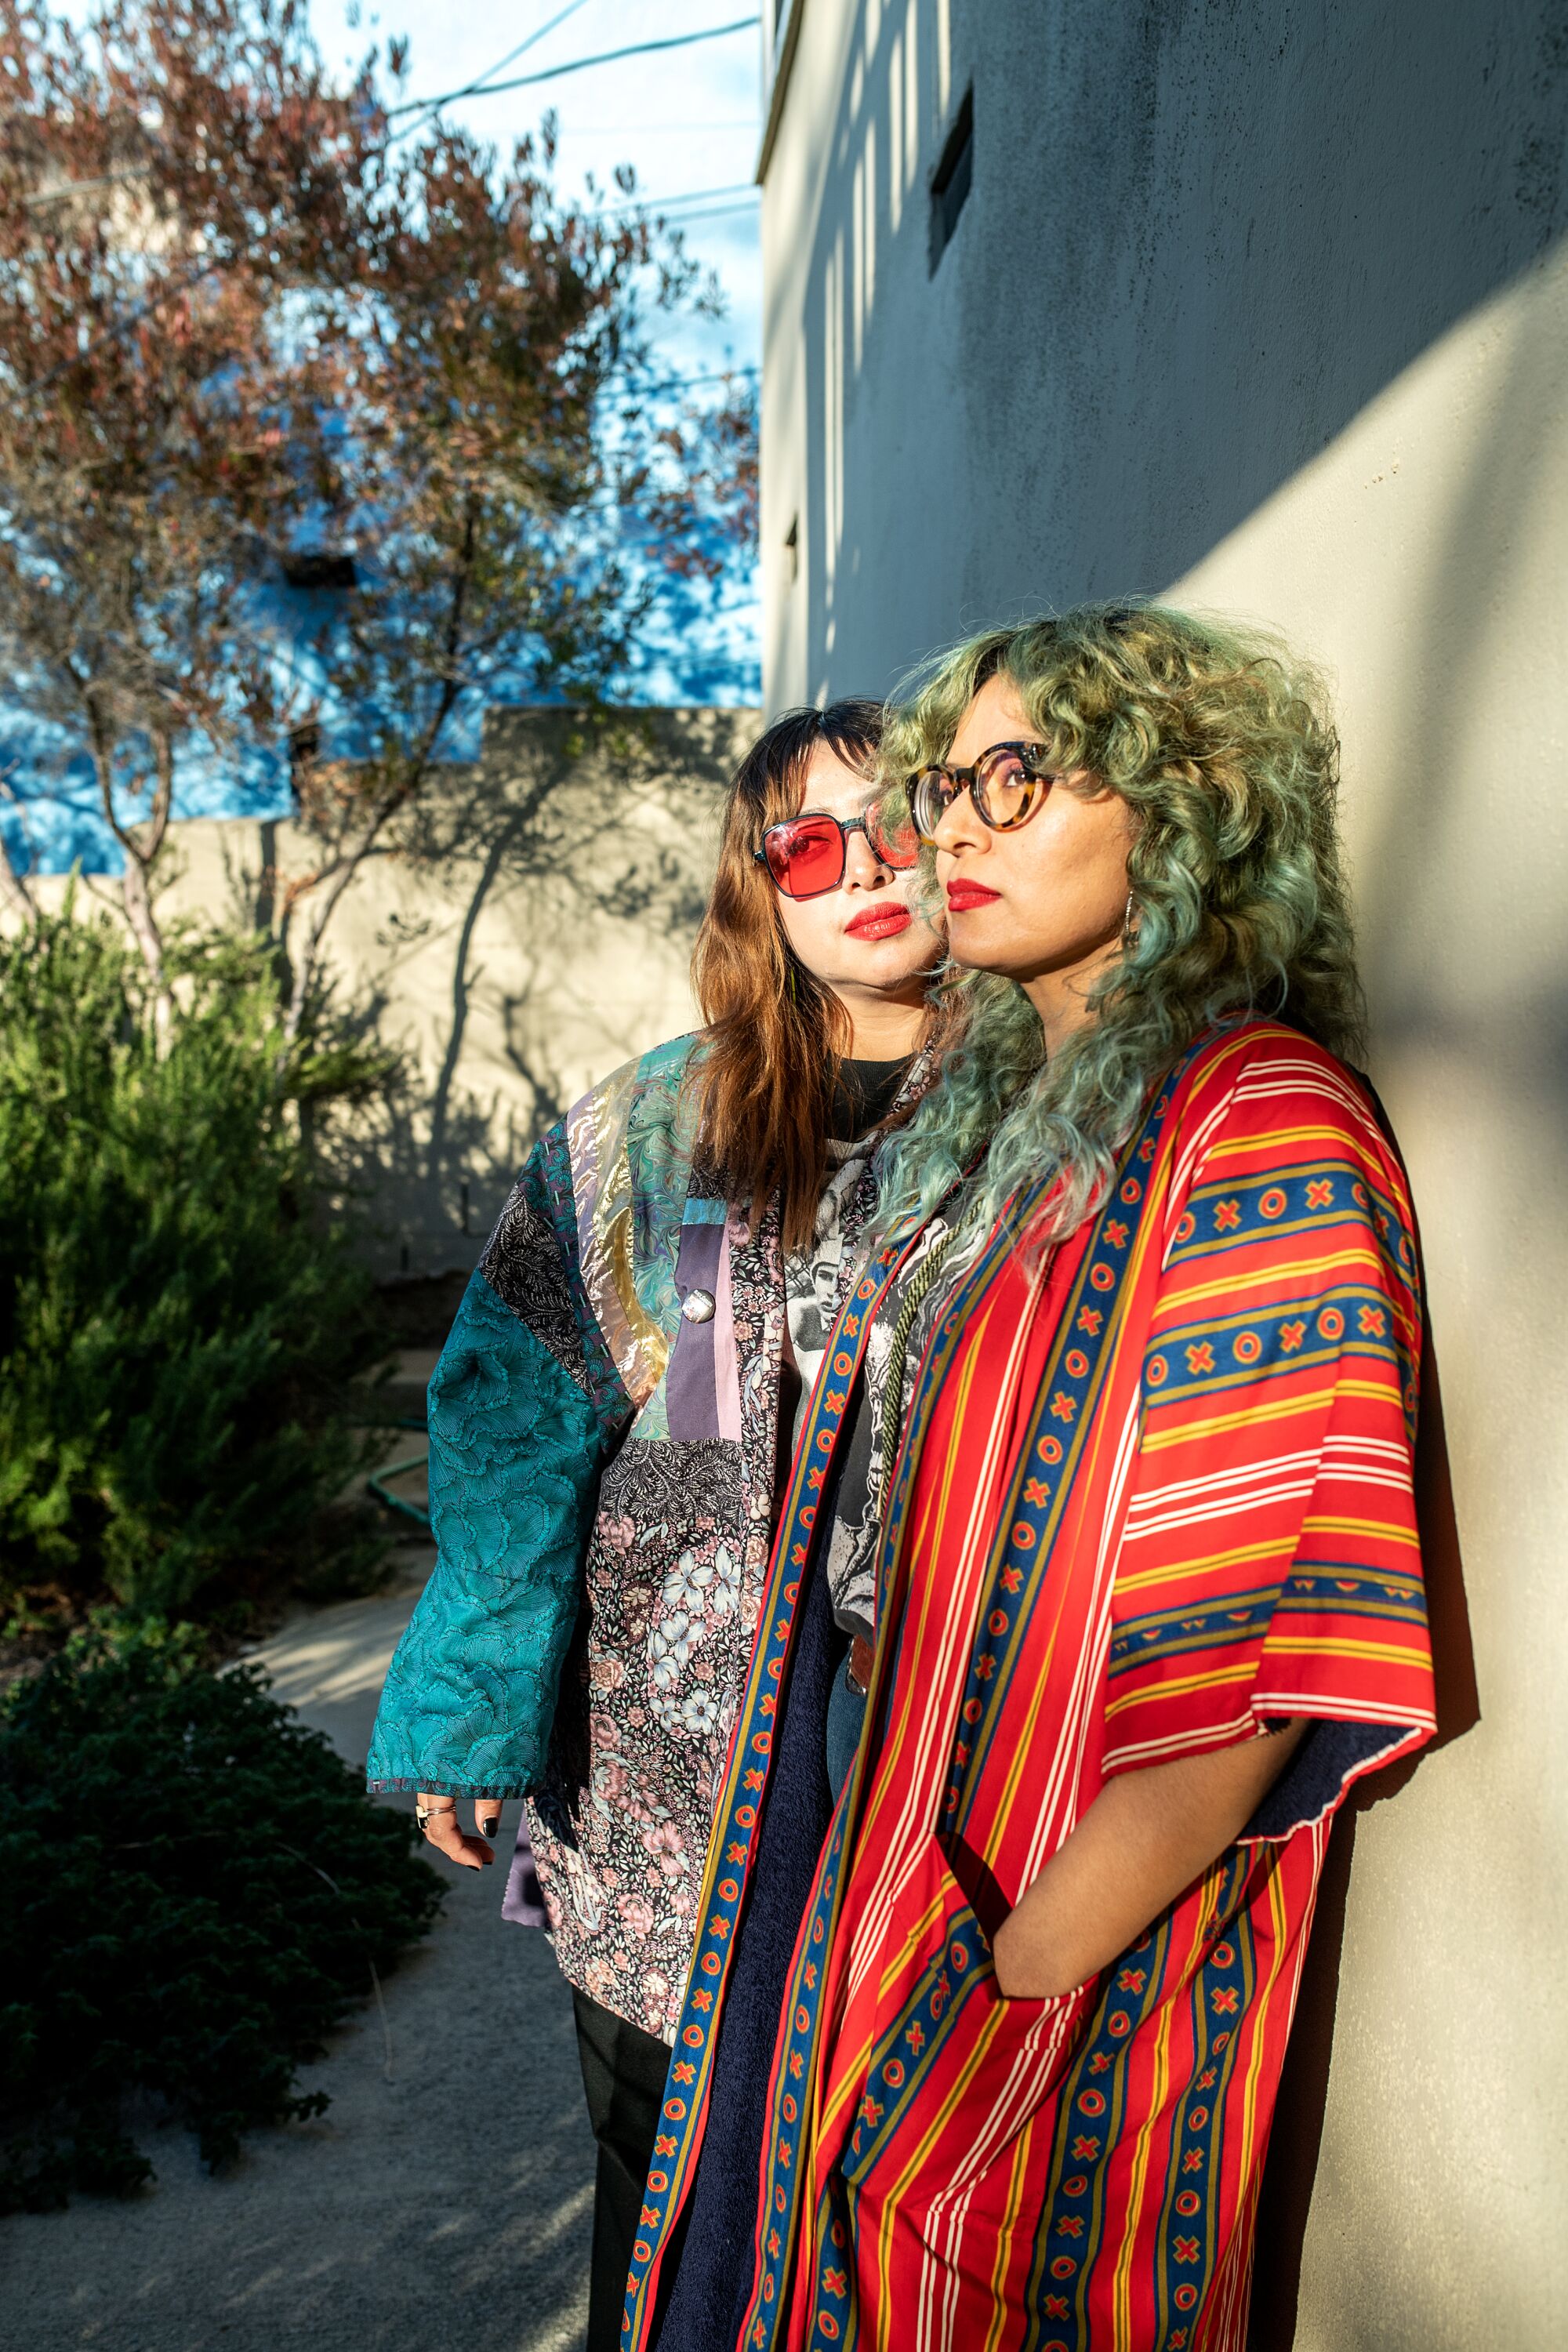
column 866, row 1093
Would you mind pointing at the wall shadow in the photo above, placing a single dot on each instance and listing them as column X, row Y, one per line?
column 1201, row 239
column 572, row 827
column 1454, row 611
column 1285, row 2199
column 508, row 943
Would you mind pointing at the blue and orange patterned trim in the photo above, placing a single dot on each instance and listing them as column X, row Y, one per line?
column 1091, row 2106
column 1221, row 1997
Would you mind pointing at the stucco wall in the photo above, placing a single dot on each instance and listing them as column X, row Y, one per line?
column 1269, row 309
column 530, row 932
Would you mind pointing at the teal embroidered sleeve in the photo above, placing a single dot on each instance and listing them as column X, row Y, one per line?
column 516, row 1447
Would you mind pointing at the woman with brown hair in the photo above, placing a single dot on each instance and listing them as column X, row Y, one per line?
column 613, row 1418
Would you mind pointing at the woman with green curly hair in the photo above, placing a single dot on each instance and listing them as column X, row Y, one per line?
column 1112, row 1487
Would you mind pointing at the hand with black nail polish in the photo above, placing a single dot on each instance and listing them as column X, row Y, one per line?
column 442, row 1830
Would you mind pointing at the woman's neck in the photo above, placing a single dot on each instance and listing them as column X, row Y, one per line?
column 1061, row 998
column 883, row 1028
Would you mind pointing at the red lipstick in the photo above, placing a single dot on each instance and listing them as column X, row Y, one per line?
column 879, row 923
column 963, row 895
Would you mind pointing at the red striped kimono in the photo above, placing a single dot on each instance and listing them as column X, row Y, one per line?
column 1155, row 1495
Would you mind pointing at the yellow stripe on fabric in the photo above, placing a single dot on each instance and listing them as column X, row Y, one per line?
column 1205, row 1564
column 1209, row 1563
column 1384, row 1530
column 892, row 2206
column 650, row 1342
column 1294, row 1269
column 919, row 1535
column 1326, row 1646
column 1261, row 2021
column 1018, row 2173
column 960, row 1446
column 1217, row 1424
column 1180, row 1685
column 610, row 1225
column 915, row 1935
column 854, row 2065
column 1267, row 1140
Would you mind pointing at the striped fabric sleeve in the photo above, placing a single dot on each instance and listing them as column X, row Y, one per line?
column 1269, row 1565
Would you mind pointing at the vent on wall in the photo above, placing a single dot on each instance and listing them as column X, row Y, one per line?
column 304, row 750
column 950, row 181
column 316, row 567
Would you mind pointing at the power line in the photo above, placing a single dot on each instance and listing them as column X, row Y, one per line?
column 522, row 49
column 430, row 105
column 745, row 191
column 654, row 129
column 680, row 383
column 715, row 212
column 574, row 65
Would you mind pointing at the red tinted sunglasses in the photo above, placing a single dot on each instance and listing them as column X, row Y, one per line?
column 806, row 854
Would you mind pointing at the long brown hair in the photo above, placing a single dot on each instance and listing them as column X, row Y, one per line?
column 777, row 1035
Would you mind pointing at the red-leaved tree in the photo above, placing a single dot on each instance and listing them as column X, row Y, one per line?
column 251, row 332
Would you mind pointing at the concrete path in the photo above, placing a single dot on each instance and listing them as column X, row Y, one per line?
column 446, row 2210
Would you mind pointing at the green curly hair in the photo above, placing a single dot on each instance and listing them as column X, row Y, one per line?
column 1220, row 742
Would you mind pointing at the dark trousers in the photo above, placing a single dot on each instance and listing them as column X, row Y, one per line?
column 623, row 2075
column 706, row 2282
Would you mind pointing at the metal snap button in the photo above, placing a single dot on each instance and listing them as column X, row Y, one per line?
column 698, row 1307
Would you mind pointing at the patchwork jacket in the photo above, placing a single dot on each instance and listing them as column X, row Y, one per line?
column 602, row 1477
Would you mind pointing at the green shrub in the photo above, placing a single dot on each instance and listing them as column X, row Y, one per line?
column 193, row 1889
column 178, row 1318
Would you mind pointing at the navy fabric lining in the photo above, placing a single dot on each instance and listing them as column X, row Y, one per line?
column 707, row 2303
column 1319, row 1772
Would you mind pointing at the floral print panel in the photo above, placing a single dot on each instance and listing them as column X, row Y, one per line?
column 588, row 1630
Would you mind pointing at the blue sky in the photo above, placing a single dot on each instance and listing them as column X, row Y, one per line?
column 688, row 121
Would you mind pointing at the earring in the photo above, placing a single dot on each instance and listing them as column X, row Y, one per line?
column 1129, row 927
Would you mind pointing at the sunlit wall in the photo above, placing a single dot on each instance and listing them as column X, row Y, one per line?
column 1269, row 309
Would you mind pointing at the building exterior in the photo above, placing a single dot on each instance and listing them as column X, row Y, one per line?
column 1266, row 309
column 529, row 932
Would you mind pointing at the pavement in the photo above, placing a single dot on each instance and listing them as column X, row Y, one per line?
column 441, row 2204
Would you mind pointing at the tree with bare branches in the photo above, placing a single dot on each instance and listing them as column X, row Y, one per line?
column 252, row 333
column 492, row 439
column 166, row 180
